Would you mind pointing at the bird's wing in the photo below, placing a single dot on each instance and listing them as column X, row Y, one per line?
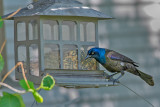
column 117, row 56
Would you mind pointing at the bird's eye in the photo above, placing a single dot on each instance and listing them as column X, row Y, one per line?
column 93, row 53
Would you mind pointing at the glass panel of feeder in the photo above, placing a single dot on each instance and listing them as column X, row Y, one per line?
column 50, row 30
column 90, row 63
column 82, row 31
column 21, row 31
column 69, row 30
column 22, row 57
column 90, row 32
column 51, row 56
column 70, row 57
column 34, row 60
column 33, row 30
column 55, row 30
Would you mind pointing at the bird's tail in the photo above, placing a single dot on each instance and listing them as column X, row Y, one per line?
column 147, row 78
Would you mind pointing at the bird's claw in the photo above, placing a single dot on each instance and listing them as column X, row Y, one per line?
column 109, row 77
column 115, row 81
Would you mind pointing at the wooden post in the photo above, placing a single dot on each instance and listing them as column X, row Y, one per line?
column 2, row 39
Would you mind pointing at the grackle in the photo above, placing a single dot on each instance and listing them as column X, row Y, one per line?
column 117, row 63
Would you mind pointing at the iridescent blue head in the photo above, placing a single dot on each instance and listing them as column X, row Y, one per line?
column 98, row 54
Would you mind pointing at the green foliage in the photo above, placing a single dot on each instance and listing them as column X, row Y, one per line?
column 24, row 85
column 1, row 22
column 37, row 97
column 47, row 82
column 20, row 99
column 15, row 100
column 11, row 100
column 1, row 63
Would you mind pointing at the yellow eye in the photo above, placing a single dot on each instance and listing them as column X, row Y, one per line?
column 93, row 53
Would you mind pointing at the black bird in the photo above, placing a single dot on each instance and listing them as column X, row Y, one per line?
column 117, row 63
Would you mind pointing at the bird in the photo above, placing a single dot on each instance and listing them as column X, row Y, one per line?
column 116, row 63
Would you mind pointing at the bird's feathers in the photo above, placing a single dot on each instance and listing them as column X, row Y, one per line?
column 147, row 78
column 98, row 54
column 117, row 56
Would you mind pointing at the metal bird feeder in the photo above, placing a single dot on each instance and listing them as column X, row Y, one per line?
column 53, row 36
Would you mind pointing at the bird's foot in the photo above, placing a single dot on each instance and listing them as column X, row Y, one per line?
column 110, row 77
column 115, row 81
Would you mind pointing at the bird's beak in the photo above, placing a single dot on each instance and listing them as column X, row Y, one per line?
column 88, row 56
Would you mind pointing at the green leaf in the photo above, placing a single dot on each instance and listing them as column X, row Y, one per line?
column 37, row 97
column 47, row 82
column 1, row 22
column 24, row 85
column 11, row 100
column 20, row 99
column 1, row 62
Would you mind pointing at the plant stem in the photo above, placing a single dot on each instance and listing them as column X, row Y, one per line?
column 13, row 89
column 38, row 88
column 23, row 73
column 12, row 14
column 2, row 46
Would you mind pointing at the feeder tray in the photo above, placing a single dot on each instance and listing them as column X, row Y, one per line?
column 75, row 78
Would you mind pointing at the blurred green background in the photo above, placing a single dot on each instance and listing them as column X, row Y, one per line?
column 135, row 32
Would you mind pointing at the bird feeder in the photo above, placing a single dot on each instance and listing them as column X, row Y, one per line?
column 53, row 36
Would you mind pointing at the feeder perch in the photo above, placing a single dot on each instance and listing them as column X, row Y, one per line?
column 53, row 36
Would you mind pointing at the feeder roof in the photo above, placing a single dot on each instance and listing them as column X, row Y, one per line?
column 59, row 8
